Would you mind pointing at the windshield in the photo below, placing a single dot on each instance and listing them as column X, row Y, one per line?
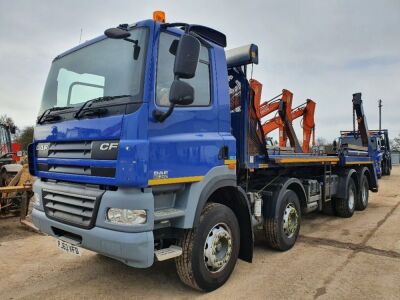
column 105, row 68
column 5, row 142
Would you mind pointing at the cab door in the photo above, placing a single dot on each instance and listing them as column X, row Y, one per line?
column 185, row 146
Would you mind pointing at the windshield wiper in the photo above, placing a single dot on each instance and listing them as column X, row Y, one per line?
column 87, row 105
column 50, row 118
column 50, row 110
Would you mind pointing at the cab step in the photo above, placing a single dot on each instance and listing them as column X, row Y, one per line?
column 168, row 253
column 168, row 213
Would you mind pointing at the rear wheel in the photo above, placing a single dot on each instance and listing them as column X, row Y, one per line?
column 345, row 207
column 362, row 199
column 384, row 168
column 282, row 230
column 210, row 251
column 379, row 174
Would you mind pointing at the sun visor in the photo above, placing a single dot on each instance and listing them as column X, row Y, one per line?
column 241, row 56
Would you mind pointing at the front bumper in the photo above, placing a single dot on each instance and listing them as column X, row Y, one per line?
column 132, row 245
column 135, row 249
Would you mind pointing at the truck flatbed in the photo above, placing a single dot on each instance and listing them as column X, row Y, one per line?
column 300, row 159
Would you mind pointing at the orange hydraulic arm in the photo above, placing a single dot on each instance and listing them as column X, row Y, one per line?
column 307, row 111
column 274, row 123
column 265, row 108
column 308, row 125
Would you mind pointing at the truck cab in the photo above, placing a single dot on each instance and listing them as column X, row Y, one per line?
column 117, row 173
column 374, row 148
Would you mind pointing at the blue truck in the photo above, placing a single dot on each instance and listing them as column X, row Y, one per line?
column 364, row 142
column 140, row 156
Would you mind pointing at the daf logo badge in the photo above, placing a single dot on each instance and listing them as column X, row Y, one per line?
column 108, row 146
column 42, row 147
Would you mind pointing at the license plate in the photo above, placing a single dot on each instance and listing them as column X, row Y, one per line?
column 68, row 248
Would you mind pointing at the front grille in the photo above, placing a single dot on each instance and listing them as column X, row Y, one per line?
column 101, row 150
column 78, row 170
column 72, row 204
column 70, row 150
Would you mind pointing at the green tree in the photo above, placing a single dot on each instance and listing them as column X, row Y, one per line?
column 6, row 120
column 25, row 137
column 395, row 144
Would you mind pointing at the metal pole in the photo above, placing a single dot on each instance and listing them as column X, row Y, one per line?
column 380, row 115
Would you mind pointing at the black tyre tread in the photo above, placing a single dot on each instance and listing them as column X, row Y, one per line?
column 341, row 207
column 359, row 205
column 183, row 262
column 272, row 234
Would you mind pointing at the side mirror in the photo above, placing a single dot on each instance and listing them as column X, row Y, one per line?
column 186, row 59
column 121, row 33
column 117, row 33
column 187, row 56
column 181, row 93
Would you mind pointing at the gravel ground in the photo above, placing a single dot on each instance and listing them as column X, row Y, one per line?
column 337, row 258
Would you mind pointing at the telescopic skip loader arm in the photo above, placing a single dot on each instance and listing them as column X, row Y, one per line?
column 306, row 110
column 308, row 125
column 267, row 107
column 361, row 119
column 285, row 113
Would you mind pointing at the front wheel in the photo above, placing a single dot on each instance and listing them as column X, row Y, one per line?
column 210, row 251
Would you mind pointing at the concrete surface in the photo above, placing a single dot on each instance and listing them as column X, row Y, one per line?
column 355, row 258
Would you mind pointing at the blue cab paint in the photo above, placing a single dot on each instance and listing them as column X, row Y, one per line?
column 191, row 136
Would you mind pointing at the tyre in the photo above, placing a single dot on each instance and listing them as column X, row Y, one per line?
column 363, row 195
column 210, row 251
column 282, row 228
column 345, row 207
column 384, row 168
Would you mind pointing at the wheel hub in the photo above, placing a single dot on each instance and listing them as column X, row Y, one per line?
column 351, row 199
column 218, row 248
column 290, row 220
column 364, row 195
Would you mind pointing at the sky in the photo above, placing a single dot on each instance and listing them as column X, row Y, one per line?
column 322, row 50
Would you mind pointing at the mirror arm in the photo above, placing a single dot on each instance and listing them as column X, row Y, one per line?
column 160, row 116
column 132, row 41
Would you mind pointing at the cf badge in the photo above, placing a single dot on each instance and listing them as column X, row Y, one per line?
column 108, row 146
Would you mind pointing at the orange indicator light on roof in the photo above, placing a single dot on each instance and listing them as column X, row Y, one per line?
column 159, row 16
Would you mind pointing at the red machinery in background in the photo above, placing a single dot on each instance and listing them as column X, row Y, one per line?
column 16, row 150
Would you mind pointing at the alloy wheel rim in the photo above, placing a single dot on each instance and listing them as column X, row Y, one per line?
column 218, row 248
column 290, row 220
column 351, row 199
column 364, row 194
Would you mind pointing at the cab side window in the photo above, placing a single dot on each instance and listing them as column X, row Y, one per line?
column 165, row 73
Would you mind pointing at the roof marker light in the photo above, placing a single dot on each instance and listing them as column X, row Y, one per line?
column 159, row 16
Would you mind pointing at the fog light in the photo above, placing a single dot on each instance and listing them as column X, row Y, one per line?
column 126, row 216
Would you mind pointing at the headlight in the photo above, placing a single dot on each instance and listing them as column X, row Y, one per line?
column 126, row 216
column 36, row 200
